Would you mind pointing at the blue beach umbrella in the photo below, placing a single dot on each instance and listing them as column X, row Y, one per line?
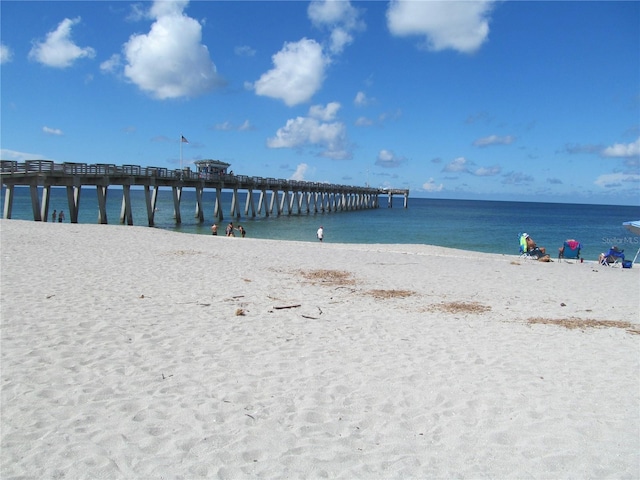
column 633, row 227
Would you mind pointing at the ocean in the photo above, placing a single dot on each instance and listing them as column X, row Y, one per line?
column 473, row 225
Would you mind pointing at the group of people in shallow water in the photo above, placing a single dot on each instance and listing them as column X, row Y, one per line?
column 229, row 231
column 59, row 216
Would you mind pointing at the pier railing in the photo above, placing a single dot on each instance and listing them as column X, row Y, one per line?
column 50, row 168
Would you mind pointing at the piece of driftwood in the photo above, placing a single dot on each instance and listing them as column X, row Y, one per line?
column 287, row 306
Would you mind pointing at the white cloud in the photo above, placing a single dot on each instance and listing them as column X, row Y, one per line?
column 313, row 132
column 170, row 61
column 20, row 156
column 52, row 131
column 461, row 26
column 224, row 126
column 228, row 126
column 162, row 8
column 516, row 178
column 326, row 114
column 459, row 164
column 462, row 165
column 298, row 73
column 332, row 12
column 431, row 186
column 6, row 55
column 622, row 150
column 58, row 50
column 246, row 125
column 244, row 51
column 616, row 179
column 112, row 64
column 363, row 122
column 487, row 171
column 494, row 140
column 361, row 99
column 137, row 12
column 388, row 159
column 339, row 39
column 576, row 149
column 340, row 17
column 300, row 172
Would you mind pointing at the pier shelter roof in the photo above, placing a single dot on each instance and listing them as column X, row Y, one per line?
column 208, row 165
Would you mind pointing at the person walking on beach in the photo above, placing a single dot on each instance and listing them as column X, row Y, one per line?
column 214, row 229
column 61, row 217
column 320, row 233
column 53, row 216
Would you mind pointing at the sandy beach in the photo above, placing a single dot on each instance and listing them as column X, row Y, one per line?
column 132, row 352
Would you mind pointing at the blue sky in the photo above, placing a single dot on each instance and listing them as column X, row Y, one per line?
column 509, row 100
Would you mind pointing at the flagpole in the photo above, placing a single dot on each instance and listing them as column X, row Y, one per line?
column 181, row 155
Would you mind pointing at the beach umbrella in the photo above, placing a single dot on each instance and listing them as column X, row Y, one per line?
column 633, row 227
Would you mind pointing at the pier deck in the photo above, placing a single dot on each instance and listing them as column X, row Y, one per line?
column 286, row 196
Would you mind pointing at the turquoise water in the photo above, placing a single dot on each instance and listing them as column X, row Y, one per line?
column 482, row 226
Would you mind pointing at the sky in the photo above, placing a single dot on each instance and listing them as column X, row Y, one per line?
column 495, row 100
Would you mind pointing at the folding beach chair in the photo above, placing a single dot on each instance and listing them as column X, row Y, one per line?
column 523, row 246
column 570, row 250
column 614, row 257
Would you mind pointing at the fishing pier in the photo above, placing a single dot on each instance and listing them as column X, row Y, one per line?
column 274, row 196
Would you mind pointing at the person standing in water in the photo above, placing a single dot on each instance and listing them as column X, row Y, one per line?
column 320, row 233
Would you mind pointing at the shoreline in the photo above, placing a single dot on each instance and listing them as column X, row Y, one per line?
column 413, row 248
column 474, row 226
column 144, row 353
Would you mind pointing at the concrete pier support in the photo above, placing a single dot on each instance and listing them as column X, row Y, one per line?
column 44, row 209
column 177, row 195
column 217, row 209
column 8, row 202
column 151, row 200
column 101, row 191
column 126, row 215
column 249, row 204
column 262, row 203
column 274, row 202
column 35, row 202
column 284, row 201
column 235, row 208
column 393, row 192
column 199, row 214
column 73, row 199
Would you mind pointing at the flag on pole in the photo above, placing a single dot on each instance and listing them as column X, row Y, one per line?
column 183, row 140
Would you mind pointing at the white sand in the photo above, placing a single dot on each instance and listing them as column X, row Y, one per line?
column 124, row 355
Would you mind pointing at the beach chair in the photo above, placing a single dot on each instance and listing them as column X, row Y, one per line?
column 570, row 250
column 523, row 246
column 614, row 257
